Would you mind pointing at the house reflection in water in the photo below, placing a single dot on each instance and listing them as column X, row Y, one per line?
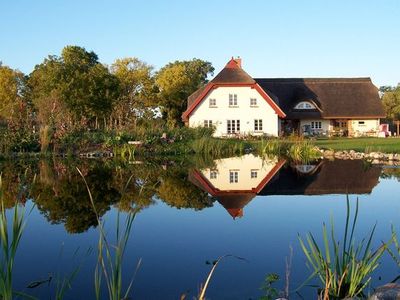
column 325, row 177
column 235, row 181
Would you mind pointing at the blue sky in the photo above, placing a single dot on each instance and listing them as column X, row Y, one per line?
column 285, row 38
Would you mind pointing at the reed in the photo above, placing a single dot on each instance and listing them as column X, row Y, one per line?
column 343, row 269
column 218, row 147
column 9, row 242
column 110, row 255
column 297, row 150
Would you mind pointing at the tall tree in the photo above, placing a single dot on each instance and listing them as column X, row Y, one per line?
column 87, row 87
column 137, row 89
column 176, row 82
column 73, row 88
column 391, row 103
column 12, row 85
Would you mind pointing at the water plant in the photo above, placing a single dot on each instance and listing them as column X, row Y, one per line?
column 110, row 256
column 9, row 241
column 344, row 269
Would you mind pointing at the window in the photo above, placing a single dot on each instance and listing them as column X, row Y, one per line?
column 362, row 123
column 233, row 126
column 253, row 102
column 304, row 105
column 213, row 174
column 258, row 126
column 253, row 173
column 233, row 176
column 232, row 99
column 213, row 102
column 316, row 125
column 208, row 123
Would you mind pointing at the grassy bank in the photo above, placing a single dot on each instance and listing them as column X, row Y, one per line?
column 387, row 145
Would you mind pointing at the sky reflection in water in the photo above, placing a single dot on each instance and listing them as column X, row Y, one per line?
column 258, row 218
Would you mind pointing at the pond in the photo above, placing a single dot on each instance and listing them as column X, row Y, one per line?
column 190, row 211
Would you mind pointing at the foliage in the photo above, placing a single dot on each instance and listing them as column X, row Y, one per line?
column 295, row 149
column 270, row 293
column 110, row 256
column 391, row 102
column 8, row 246
column 138, row 92
column 176, row 82
column 12, row 86
column 344, row 269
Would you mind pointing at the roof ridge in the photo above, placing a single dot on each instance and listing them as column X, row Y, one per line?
column 317, row 79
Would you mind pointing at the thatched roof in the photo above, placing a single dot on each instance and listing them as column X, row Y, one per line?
column 331, row 177
column 334, row 97
column 232, row 73
column 234, row 203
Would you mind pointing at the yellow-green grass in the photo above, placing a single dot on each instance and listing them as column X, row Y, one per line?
column 387, row 145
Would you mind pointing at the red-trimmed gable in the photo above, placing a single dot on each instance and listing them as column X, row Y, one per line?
column 232, row 75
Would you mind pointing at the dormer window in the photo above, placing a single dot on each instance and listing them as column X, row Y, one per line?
column 304, row 105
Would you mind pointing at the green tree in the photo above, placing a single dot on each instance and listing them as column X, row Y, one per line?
column 87, row 87
column 391, row 103
column 176, row 82
column 75, row 87
column 12, row 85
column 137, row 89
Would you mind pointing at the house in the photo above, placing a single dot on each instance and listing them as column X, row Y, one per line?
column 235, row 181
column 237, row 104
column 342, row 177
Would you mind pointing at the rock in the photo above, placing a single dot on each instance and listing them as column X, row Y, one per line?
column 390, row 291
column 328, row 153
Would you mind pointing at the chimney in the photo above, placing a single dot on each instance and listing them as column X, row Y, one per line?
column 238, row 61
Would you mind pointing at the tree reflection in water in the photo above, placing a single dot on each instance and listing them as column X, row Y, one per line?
column 61, row 196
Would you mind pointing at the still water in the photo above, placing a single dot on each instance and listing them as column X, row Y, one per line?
column 190, row 212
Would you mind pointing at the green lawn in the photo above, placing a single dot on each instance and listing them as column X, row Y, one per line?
column 388, row 145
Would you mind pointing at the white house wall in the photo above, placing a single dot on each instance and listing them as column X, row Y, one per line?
column 243, row 112
column 361, row 127
column 325, row 125
column 243, row 165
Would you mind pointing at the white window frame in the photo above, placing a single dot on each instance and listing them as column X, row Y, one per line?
column 258, row 125
column 232, row 126
column 208, row 123
column 233, row 100
column 253, row 102
column 304, row 105
column 233, row 176
column 212, row 102
column 316, row 125
column 254, row 173
column 213, row 174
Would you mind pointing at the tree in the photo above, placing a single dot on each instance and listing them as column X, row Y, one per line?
column 391, row 103
column 16, row 118
column 12, row 85
column 75, row 87
column 137, row 89
column 176, row 82
column 87, row 87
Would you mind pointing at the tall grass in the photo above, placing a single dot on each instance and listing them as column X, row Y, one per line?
column 298, row 150
column 343, row 268
column 110, row 256
column 45, row 138
column 9, row 241
column 218, row 147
